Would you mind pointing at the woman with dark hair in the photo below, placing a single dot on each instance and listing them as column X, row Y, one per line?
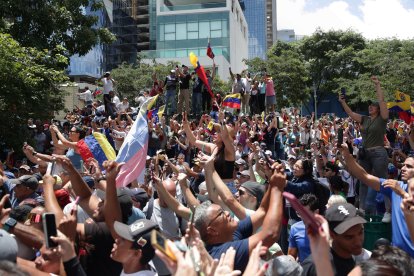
column 301, row 183
column 222, row 148
column 76, row 133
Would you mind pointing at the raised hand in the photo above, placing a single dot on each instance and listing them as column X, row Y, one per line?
column 254, row 267
column 375, row 80
column 68, row 223
column 65, row 248
column 206, row 161
column 64, row 162
column 112, row 169
column 278, row 178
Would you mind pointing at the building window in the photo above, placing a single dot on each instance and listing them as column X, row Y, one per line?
column 170, row 32
column 215, row 27
column 204, row 29
column 192, row 28
column 181, row 31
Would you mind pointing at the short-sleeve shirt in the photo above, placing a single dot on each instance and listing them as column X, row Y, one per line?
column 270, row 89
column 240, row 243
column 400, row 234
column 299, row 239
column 107, row 86
column 373, row 131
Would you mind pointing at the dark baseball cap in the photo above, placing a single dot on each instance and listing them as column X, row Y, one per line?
column 27, row 180
column 139, row 195
column 139, row 233
column 342, row 216
column 255, row 189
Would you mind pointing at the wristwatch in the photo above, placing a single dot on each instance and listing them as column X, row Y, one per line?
column 9, row 223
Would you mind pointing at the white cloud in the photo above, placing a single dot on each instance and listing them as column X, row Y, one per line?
column 379, row 19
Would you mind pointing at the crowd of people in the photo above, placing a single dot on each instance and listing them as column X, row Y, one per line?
column 212, row 199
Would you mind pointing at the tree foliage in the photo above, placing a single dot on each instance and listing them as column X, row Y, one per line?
column 30, row 86
column 47, row 24
column 327, row 61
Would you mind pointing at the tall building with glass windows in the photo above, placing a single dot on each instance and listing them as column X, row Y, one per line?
column 93, row 64
column 261, row 19
column 184, row 26
column 255, row 13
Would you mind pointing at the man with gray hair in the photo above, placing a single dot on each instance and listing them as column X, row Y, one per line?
column 220, row 231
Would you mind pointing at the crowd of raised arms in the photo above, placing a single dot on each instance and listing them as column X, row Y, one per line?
column 215, row 198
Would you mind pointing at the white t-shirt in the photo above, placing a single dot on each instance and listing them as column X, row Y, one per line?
column 122, row 106
column 86, row 96
column 108, row 85
column 119, row 134
column 247, row 84
column 116, row 101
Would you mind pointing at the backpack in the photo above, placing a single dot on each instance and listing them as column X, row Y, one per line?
column 323, row 193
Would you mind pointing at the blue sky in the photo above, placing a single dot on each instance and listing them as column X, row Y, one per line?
column 372, row 18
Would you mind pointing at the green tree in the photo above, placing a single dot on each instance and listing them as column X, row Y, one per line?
column 286, row 66
column 392, row 61
column 29, row 87
column 47, row 24
column 330, row 57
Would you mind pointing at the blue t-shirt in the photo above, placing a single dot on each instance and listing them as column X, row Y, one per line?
column 299, row 239
column 240, row 243
column 400, row 235
column 136, row 215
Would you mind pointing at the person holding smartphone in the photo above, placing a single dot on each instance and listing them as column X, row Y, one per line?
column 372, row 156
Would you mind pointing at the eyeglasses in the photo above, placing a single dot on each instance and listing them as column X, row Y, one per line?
column 221, row 212
column 328, row 170
column 241, row 192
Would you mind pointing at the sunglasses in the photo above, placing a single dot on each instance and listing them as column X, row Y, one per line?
column 34, row 218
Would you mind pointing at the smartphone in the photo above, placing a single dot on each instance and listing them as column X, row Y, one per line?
column 159, row 242
column 49, row 228
column 307, row 216
column 340, row 137
column 343, row 92
column 50, row 167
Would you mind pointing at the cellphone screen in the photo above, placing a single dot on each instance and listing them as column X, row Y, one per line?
column 340, row 136
column 49, row 227
column 343, row 91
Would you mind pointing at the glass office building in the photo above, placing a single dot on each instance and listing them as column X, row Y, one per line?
column 93, row 64
column 178, row 35
column 255, row 14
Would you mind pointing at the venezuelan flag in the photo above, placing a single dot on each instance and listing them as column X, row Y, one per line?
column 96, row 146
column 156, row 113
column 232, row 101
column 134, row 150
column 402, row 102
